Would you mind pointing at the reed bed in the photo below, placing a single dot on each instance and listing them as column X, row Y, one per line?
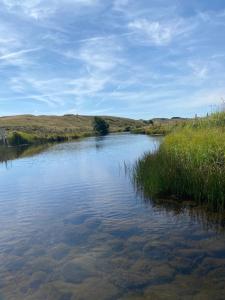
column 18, row 138
column 189, row 164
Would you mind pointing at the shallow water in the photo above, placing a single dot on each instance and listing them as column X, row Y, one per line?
column 74, row 227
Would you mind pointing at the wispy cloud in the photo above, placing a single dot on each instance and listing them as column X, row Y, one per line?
column 199, row 70
column 101, row 55
column 119, row 5
column 141, row 58
column 158, row 33
column 41, row 9
column 15, row 55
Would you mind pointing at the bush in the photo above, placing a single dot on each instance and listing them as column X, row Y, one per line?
column 127, row 129
column 20, row 138
column 100, row 126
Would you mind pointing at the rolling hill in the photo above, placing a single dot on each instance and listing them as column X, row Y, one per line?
column 36, row 129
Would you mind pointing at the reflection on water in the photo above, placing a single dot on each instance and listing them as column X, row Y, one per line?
column 8, row 154
column 73, row 227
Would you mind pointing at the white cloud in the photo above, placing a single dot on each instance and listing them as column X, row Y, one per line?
column 15, row 55
column 15, row 48
column 199, row 70
column 9, row 37
column 41, row 9
column 83, row 59
column 98, row 60
column 27, row 7
column 159, row 33
column 87, row 85
column 55, row 91
column 207, row 98
column 120, row 5
column 98, row 54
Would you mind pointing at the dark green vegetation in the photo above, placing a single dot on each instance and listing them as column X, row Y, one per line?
column 29, row 129
column 190, row 163
column 100, row 126
column 11, row 153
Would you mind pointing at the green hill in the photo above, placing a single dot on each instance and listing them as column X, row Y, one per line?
column 35, row 129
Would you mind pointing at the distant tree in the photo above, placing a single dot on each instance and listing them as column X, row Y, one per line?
column 127, row 128
column 150, row 122
column 100, row 126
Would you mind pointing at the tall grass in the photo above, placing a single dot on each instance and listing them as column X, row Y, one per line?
column 190, row 164
column 161, row 128
column 18, row 138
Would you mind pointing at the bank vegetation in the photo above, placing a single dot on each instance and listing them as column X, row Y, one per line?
column 189, row 164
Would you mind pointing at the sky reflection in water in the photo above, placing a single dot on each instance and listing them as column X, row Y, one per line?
column 74, row 227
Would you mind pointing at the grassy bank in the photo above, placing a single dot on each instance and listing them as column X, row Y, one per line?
column 29, row 129
column 190, row 164
column 162, row 126
column 17, row 138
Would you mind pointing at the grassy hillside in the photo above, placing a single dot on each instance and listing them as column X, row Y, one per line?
column 190, row 164
column 35, row 129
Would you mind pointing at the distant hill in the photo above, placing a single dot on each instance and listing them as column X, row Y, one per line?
column 167, row 120
column 71, row 124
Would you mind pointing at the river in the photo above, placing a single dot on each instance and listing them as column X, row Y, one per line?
column 74, row 226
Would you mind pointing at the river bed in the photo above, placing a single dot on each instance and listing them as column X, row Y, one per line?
column 74, row 226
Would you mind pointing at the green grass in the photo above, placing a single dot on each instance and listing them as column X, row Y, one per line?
column 17, row 138
column 162, row 126
column 190, row 164
column 29, row 129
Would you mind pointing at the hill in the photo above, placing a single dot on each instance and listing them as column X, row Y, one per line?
column 32, row 129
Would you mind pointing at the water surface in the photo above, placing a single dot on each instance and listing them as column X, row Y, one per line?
column 73, row 227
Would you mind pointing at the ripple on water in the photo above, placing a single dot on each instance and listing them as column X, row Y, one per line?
column 74, row 227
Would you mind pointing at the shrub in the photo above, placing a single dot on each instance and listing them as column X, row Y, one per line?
column 127, row 129
column 20, row 138
column 100, row 126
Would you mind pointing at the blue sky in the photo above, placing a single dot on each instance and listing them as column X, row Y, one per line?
column 139, row 59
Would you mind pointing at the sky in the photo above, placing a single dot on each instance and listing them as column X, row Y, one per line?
column 131, row 58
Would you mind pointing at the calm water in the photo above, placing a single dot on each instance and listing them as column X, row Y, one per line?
column 73, row 227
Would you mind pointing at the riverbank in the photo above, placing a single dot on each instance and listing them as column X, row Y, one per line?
column 30, row 130
column 17, row 138
column 162, row 126
column 189, row 164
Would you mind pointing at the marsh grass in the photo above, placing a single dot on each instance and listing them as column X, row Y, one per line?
column 18, row 138
column 163, row 127
column 189, row 164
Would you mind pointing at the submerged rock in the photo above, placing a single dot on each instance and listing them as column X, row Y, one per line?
column 37, row 280
column 43, row 264
column 78, row 269
column 60, row 251
column 129, row 280
column 96, row 289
